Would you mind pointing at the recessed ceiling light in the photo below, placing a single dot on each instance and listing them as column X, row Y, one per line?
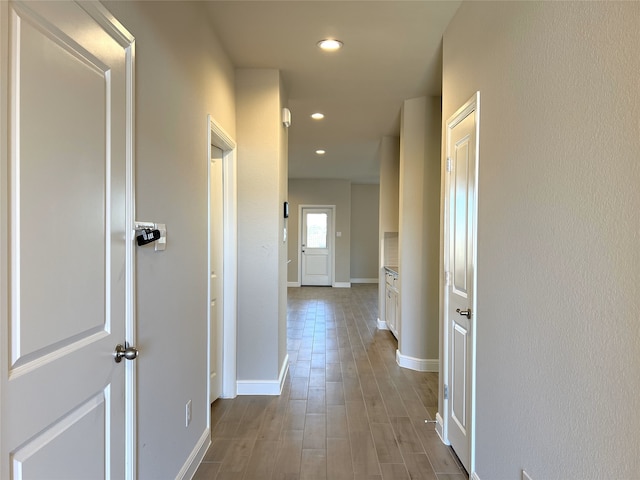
column 330, row 44
column 320, row 152
column 317, row 116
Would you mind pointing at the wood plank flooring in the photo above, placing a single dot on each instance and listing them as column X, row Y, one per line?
column 347, row 411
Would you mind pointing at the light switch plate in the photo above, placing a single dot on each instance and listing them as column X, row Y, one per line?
column 338, row 234
column 162, row 243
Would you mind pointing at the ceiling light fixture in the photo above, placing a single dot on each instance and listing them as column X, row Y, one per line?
column 317, row 116
column 320, row 152
column 330, row 44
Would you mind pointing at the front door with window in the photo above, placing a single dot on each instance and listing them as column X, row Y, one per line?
column 316, row 246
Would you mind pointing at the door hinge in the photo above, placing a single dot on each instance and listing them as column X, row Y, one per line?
column 446, row 392
column 449, row 166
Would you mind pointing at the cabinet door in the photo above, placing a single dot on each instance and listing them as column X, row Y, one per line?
column 387, row 308
column 396, row 312
column 390, row 310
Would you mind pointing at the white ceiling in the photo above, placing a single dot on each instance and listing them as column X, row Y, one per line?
column 392, row 51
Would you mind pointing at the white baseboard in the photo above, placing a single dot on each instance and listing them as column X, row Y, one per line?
column 293, row 284
column 418, row 364
column 265, row 387
column 440, row 428
column 364, row 280
column 382, row 325
column 341, row 284
column 189, row 468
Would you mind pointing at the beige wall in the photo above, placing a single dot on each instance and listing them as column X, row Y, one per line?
column 182, row 74
column 364, row 231
column 262, row 187
column 283, row 195
column 321, row 192
column 558, row 338
column 389, row 187
column 419, row 229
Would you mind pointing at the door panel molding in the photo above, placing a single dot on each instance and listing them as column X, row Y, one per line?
column 34, row 459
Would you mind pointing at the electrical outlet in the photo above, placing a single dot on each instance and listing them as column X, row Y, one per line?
column 525, row 476
column 187, row 414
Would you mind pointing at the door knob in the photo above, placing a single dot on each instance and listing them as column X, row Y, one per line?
column 130, row 353
column 464, row 313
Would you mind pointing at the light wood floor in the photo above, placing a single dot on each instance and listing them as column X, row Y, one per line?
column 347, row 410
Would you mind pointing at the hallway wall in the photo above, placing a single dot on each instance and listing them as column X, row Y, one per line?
column 558, row 336
column 419, row 231
column 262, row 250
column 182, row 74
column 365, row 201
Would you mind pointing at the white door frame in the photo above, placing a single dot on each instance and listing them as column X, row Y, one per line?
column 218, row 137
column 131, row 432
column 332, row 242
column 442, row 424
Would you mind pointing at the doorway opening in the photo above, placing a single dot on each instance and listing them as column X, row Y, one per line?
column 222, row 272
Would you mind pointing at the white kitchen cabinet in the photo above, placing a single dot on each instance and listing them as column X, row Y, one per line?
column 392, row 313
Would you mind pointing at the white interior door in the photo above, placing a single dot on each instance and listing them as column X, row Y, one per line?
column 216, row 231
column 65, row 238
column 461, row 206
column 316, row 246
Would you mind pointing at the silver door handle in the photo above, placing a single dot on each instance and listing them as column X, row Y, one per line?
column 464, row 313
column 130, row 353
